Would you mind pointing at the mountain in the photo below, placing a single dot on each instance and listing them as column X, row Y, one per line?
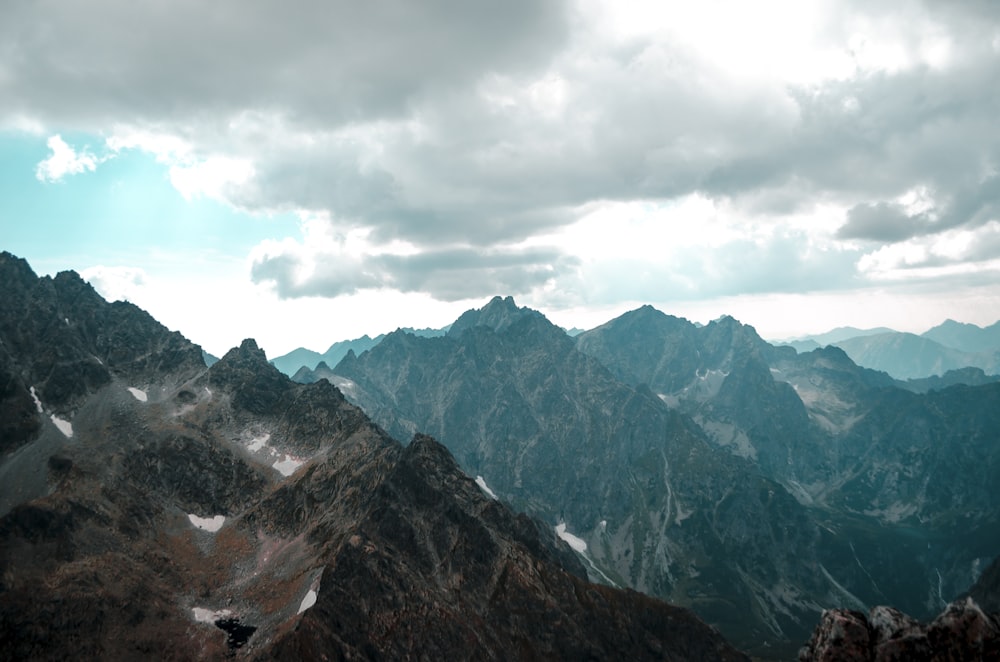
column 967, row 376
column 153, row 507
column 290, row 363
column 651, row 500
column 831, row 337
column 967, row 338
column 909, row 356
column 901, row 477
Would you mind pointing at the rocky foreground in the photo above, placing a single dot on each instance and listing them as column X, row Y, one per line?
column 962, row 632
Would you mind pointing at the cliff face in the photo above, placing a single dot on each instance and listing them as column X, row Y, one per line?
column 153, row 507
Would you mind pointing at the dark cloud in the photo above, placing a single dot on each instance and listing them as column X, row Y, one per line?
column 882, row 221
column 450, row 274
column 320, row 63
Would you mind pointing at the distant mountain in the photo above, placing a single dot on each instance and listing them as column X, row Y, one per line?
column 966, row 376
column 967, row 338
column 298, row 358
column 877, row 463
column 834, row 336
column 151, row 507
column 909, row 356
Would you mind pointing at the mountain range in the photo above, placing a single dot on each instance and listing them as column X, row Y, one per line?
column 950, row 346
column 705, row 466
column 153, row 507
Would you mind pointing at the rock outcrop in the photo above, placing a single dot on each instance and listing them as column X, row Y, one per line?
column 963, row 631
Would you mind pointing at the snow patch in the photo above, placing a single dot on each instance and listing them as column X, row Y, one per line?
column 576, row 543
column 38, row 403
column 208, row 616
column 210, row 524
column 258, row 443
column 308, row 601
column 481, row 482
column 580, row 547
column 64, row 426
column 288, row 466
column 138, row 394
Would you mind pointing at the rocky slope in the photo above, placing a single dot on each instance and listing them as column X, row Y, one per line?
column 902, row 479
column 656, row 505
column 736, row 426
column 156, row 507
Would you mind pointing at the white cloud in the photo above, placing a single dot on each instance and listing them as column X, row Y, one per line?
column 63, row 161
column 959, row 252
column 213, row 177
column 116, row 283
column 583, row 152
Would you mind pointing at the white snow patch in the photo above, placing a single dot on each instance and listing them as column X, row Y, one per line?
column 38, row 403
column 208, row 616
column 210, row 524
column 64, row 426
column 288, row 466
column 481, row 482
column 604, row 524
column 208, row 391
column 138, row 394
column 258, row 443
column 308, row 601
column 577, row 544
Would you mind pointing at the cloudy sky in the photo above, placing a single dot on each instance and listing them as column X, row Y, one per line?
column 309, row 175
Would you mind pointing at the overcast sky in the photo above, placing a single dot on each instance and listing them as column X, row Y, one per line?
column 308, row 175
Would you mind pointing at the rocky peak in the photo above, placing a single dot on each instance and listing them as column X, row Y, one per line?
column 963, row 631
column 257, row 386
column 498, row 314
column 15, row 271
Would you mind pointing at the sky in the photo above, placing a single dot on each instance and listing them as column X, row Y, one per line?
column 242, row 169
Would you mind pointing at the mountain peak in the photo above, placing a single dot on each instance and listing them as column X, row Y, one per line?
column 498, row 314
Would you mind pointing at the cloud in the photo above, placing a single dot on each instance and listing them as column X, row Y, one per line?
column 116, row 283
column 328, row 265
column 469, row 133
column 63, row 161
column 962, row 254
